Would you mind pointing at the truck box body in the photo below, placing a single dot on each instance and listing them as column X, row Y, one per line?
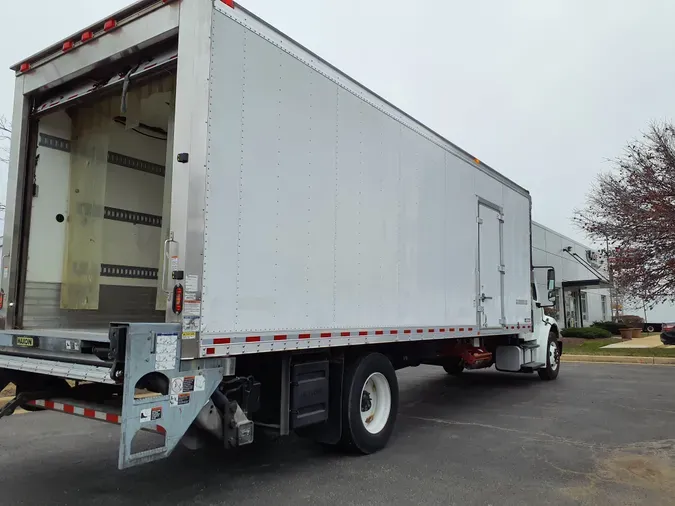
column 310, row 212
column 210, row 228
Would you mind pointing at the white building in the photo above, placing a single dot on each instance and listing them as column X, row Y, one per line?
column 582, row 283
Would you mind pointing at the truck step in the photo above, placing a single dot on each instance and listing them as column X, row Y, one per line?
column 532, row 366
column 530, row 345
column 65, row 370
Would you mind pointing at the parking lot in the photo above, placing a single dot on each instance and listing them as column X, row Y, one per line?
column 601, row 434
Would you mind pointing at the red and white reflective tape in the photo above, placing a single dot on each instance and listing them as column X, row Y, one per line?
column 76, row 410
column 217, row 345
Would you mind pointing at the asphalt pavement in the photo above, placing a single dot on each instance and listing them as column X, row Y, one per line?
column 601, row 434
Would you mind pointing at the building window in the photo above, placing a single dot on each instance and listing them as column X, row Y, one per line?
column 603, row 302
column 584, row 306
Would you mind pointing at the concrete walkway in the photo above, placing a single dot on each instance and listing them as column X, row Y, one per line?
column 653, row 341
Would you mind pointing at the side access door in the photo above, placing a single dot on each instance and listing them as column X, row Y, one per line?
column 490, row 293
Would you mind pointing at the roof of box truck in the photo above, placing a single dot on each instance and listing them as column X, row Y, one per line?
column 97, row 29
column 142, row 7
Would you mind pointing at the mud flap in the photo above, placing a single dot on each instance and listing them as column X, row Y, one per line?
column 330, row 431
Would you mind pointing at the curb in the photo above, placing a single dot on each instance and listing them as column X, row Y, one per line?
column 616, row 359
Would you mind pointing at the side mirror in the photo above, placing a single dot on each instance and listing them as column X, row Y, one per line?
column 550, row 280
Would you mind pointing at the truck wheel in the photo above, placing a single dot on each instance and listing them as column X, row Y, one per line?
column 552, row 369
column 370, row 404
column 454, row 367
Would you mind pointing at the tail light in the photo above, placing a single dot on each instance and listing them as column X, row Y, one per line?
column 178, row 299
column 668, row 326
column 2, row 299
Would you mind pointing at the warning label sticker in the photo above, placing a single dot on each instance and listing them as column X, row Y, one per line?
column 192, row 307
column 188, row 384
column 191, row 325
column 179, row 399
column 151, row 414
column 190, row 335
column 166, row 351
column 200, row 383
column 192, row 283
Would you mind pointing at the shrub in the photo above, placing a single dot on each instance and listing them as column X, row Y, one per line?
column 587, row 333
column 634, row 322
column 613, row 327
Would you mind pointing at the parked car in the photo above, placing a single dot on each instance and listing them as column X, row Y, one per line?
column 668, row 333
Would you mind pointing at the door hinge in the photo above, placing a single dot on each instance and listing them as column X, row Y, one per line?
column 479, row 220
column 500, row 217
column 480, row 309
column 502, row 322
column 502, row 269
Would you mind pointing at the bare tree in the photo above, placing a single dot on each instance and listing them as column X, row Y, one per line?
column 5, row 134
column 632, row 210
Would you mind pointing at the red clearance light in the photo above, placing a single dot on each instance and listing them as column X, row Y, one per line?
column 2, row 299
column 87, row 36
column 229, row 3
column 109, row 25
column 178, row 299
column 25, row 67
column 67, row 46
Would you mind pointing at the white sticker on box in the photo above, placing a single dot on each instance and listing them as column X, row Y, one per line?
column 200, row 383
column 192, row 283
column 167, row 338
column 151, row 414
column 166, row 351
column 174, row 264
column 191, row 324
column 165, row 365
column 177, row 385
column 192, row 307
column 179, row 399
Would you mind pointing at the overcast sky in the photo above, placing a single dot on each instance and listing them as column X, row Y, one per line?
column 543, row 91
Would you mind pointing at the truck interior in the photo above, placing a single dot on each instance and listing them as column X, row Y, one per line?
column 98, row 209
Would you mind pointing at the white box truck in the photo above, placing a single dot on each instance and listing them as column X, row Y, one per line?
column 212, row 231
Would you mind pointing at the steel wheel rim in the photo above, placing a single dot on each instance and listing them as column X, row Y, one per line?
column 375, row 403
column 553, row 356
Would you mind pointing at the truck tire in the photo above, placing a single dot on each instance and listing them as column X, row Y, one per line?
column 552, row 369
column 370, row 404
column 454, row 367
